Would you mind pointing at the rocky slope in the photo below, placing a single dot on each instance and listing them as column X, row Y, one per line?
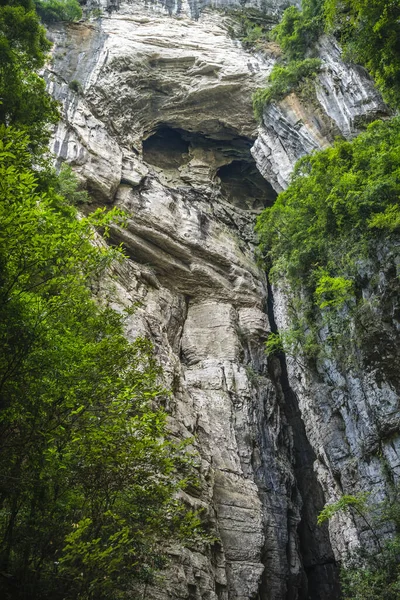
column 157, row 119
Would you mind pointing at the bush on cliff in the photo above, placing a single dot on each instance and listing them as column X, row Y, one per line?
column 369, row 33
column 51, row 11
column 370, row 573
column 339, row 201
column 283, row 80
column 340, row 206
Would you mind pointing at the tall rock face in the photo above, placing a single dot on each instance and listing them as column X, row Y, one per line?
column 157, row 119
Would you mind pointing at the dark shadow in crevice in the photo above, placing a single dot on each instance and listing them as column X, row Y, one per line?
column 231, row 165
column 166, row 149
column 244, row 186
column 320, row 577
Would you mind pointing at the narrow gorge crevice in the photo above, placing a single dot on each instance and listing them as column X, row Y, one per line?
column 321, row 571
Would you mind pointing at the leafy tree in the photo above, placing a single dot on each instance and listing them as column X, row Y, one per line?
column 88, row 479
column 323, row 223
column 51, row 11
column 300, row 29
column 324, row 227
column 23, row 46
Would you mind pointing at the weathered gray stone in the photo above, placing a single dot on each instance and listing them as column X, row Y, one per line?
column 157, row 118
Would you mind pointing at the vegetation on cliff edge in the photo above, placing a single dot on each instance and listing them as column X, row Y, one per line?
column 372, row 572
column 368, row 32
column 340, row 206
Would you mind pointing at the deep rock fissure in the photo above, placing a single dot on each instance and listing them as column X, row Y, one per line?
column 321, row 571
column 228, row 165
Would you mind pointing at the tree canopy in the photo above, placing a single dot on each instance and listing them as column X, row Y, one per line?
column 24, row 101
column 51, row 11
column 89, row 477
column 337, row 201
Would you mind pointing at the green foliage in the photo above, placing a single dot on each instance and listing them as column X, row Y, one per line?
column 389, row 219
column 328, row 223
column 23, row 47
column 299, row 338
column 51, row 11
column 333, row 291
column 75, row 86
column 370, row 574
column 370, row 577
column 96, row 13
column 274, row 344
column 321, row 225
column 357, row 502
column 68, row 186
column 283, row 80
column 369, row 33
column 88, row 479
column 21, row 32
column 296, row 34
column 251, row 27
column 299, row 30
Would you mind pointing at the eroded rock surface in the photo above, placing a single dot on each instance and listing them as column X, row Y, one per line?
column 157, row 119
column 343, row 102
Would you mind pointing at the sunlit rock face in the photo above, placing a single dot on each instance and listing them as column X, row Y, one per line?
column 343, row 102
column 194, row 8
column 157, row 119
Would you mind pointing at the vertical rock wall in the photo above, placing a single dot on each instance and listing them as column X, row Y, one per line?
column 350, row 411
column 157, row 119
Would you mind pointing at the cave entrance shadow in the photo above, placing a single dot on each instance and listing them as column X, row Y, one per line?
column 232, row 166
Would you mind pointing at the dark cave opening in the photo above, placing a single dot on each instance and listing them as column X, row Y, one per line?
column 244, row 186
column 166, row 149
column 231, row 166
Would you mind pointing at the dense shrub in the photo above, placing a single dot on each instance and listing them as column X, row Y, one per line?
column 340, row 206
column 299, row 29
column 283, row 80
column 369, row 33
column 23, row 47
column 337, row 201
column 51, row 11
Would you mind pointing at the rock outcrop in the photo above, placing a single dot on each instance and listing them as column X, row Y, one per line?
column 343, row 102
column 157, row 119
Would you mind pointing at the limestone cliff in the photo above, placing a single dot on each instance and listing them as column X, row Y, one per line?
column 157, row 119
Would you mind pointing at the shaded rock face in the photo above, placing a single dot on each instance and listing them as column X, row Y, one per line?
column 350, row 404
column 350, row 407
column 157, row 119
